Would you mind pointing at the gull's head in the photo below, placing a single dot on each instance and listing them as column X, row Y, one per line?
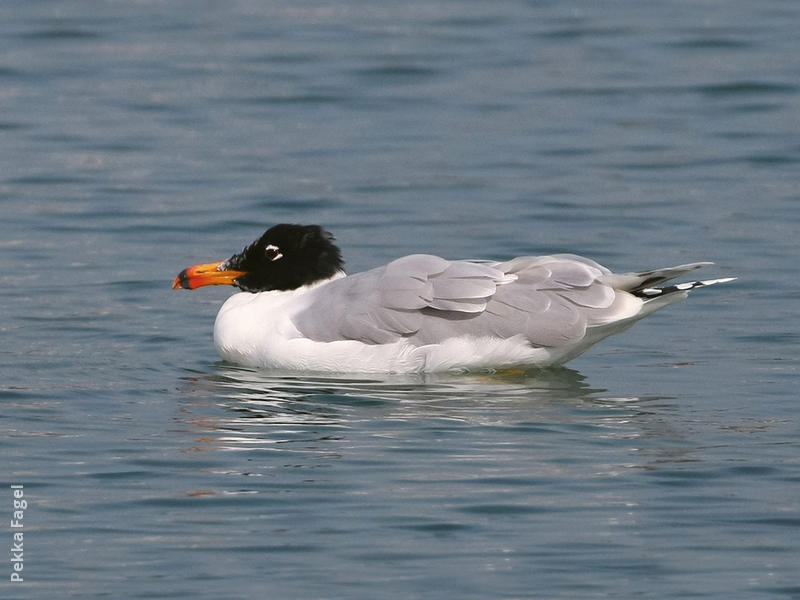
column 286, row 257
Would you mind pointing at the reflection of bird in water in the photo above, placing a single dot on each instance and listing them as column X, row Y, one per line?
column 259, row 401
column 299, row 311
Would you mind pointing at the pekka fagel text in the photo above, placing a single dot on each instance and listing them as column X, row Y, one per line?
column 17, row 517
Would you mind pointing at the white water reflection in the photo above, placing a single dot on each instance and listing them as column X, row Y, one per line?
column 264, row 411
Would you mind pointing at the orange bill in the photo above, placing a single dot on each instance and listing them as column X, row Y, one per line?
column 206, row 274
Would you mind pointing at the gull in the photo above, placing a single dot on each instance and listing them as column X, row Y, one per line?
column 297, row 309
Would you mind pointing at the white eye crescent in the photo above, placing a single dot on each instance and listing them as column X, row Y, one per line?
column 272, row 252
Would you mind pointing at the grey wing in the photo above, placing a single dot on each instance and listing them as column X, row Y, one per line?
column 389, row 303
column 551, row 300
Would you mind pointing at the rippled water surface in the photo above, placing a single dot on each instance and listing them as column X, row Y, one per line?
column 137, row 138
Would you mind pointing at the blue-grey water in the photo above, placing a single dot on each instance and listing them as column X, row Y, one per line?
column 137, row 138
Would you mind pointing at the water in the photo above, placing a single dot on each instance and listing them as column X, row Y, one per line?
column 139, row 138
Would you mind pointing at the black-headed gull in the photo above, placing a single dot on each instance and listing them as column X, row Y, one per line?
column 298, row 310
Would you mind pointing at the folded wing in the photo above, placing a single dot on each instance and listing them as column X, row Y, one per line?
column 550, row 300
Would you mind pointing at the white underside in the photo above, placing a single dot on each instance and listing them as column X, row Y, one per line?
column 256, row 330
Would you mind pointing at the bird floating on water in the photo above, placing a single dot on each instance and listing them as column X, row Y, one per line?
column 298, row 310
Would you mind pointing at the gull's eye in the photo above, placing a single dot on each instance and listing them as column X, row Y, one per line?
column 272, row 253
